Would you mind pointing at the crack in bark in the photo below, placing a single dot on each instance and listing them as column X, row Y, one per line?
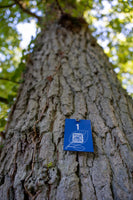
column 78, row 175
column 92, row 181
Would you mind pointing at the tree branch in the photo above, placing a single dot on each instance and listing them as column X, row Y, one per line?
column 6, row 79
column 7, row 6
column 4, row 100
column 59, row 7
column 26, row 10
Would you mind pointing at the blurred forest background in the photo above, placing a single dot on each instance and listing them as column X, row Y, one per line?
column 111, row 22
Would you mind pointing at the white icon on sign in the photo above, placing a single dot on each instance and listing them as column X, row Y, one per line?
column 77, row 138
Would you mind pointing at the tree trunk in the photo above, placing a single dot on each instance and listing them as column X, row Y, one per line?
column 68, row 76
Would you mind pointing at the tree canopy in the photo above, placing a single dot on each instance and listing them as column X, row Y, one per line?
column 111, row 22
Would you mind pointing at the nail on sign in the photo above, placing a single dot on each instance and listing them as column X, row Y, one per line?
column 78, row 135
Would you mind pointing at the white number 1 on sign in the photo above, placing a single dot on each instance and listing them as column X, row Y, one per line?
column 77, row 126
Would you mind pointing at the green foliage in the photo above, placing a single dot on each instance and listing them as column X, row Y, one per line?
column 3, row 115
column 112, row 23
column 1, row 146
column 110, row 20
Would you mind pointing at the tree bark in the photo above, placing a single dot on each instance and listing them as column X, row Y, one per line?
column 68, row 76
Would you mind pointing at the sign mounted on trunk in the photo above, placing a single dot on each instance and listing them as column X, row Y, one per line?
column 78, row 135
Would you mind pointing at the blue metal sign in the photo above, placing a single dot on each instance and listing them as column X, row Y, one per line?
column 78, row 135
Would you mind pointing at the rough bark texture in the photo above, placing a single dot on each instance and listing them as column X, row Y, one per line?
column 68, row 75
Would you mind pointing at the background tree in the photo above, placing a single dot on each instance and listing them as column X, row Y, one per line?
column 66, row 75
